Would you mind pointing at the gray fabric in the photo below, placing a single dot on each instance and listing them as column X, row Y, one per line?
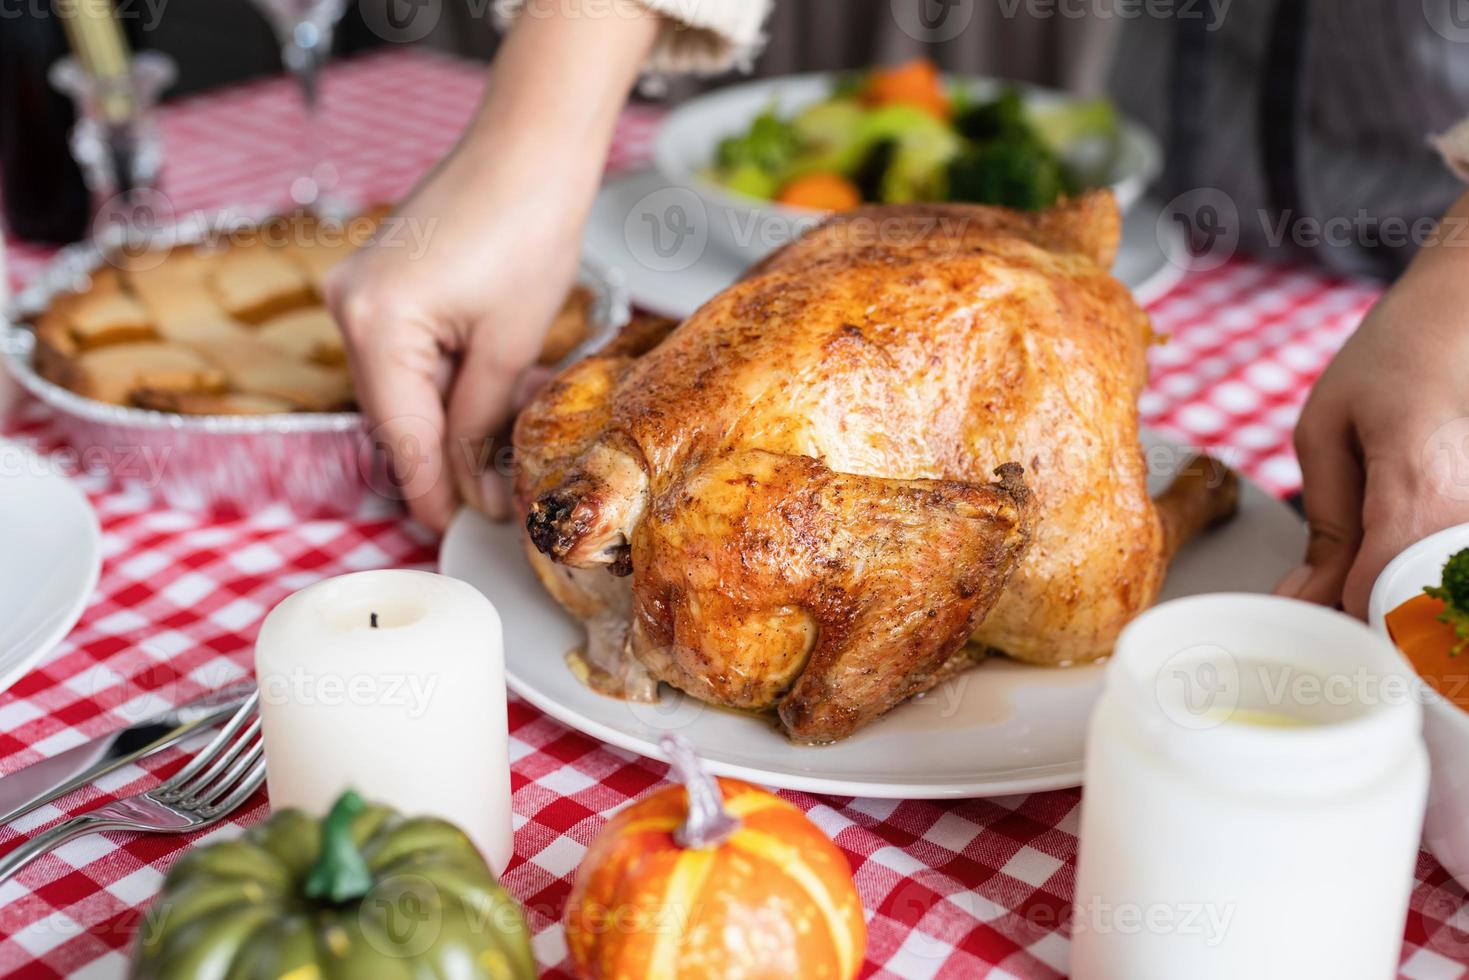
column 829, row 35
column 1378, row 78
column 973, row 36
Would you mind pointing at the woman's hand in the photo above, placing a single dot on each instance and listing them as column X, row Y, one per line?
column 1384, row 438
column 440, row 322
column 438, row 340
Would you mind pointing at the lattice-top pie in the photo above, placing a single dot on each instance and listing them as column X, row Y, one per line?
column 235, row 327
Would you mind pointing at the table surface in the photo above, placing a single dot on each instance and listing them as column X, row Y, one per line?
column 952, row 889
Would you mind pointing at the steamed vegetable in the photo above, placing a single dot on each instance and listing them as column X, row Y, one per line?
column 752, row 181
column 1453, row 590
column 1015, row 173
column 769, row 144
column 999, row 119
column 821, row 192
column 1062, row 126
column 831, row 135
column 1007, row 162
column 874, row 167
column 916, row 83
column 897, row 135
column 922, row 147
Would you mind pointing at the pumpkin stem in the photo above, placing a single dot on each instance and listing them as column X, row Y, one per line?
column 340, row 873
column 708, row 824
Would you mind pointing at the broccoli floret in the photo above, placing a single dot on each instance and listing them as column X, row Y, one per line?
column 873, row 169
column 849, row 85
column 897, row 154
column 769, row 144
column 1008, row 162
column 831, row 138
column 918, row 170
column 961, row 100
column 1015, row 173
column 1000, row 119
column 1454, row 591
column 752, row 181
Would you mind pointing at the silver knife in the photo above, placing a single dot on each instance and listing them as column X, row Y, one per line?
column 41, row 782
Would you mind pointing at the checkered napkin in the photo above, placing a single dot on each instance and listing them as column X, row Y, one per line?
column 953, row 889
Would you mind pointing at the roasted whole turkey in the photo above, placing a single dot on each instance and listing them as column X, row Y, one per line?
column 903, row 441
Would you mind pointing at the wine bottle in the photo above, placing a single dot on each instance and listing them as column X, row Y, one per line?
column 44, row 196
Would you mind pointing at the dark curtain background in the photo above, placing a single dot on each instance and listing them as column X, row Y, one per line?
column 219, row 41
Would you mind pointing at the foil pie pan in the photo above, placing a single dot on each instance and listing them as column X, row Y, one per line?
column 317, row 464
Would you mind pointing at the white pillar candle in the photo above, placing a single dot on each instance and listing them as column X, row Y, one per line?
column 1255, row 782
column 391, row 683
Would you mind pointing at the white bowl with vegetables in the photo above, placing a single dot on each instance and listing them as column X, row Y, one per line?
column 768, row 159
column 1421, row 601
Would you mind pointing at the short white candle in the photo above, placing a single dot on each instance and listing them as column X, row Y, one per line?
column 391, row 683
column 1255, row 782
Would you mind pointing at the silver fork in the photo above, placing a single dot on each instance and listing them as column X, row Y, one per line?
column 214, row 783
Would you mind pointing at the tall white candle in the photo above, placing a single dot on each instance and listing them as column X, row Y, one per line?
column 391, row 683
column 1255, row 782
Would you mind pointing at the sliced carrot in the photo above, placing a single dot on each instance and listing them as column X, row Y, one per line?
column 916, row 83
column 821, row 192
column 1429, row 645
column 1415, row 624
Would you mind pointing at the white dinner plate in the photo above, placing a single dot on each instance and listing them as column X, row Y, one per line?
column 52, row 556
column 1000, row 728
column 651, row 233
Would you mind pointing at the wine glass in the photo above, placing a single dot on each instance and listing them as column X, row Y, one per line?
column 117, row 142
column 304, row 29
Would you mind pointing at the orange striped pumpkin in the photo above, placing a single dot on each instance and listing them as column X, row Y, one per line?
column 773, row 899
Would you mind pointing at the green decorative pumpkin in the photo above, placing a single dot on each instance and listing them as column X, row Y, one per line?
column 362, row 894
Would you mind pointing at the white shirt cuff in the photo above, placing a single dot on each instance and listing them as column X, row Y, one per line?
column 703, row 37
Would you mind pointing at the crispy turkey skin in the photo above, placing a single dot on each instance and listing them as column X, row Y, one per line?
column 913, row 428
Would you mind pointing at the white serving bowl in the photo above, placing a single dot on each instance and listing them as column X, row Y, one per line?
column 751, row 228
column 1445, row 725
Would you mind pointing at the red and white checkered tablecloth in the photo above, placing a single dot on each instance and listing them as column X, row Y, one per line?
column 953, row 889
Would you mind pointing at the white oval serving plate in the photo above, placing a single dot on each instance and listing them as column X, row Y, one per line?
column 998, row 729
column 630, row 229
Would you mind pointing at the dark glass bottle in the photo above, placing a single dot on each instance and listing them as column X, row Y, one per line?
column 42, row 191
